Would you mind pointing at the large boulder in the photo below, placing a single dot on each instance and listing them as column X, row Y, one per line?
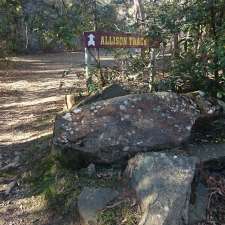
column 115, row 129
column 162, row 183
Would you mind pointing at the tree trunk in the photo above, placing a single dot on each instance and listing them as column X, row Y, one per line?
column 176, row 49
column 214, row 33
column 139, row 11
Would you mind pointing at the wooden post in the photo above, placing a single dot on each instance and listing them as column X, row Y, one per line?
column 163, row 59
column 152, row 68
column 87, row 66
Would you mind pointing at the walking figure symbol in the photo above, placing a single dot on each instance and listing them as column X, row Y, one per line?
column 91, row 40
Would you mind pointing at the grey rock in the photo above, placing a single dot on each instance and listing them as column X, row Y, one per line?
column 222, row 104
column 163, row 185
column 91, row 201
column 1, row 161
column 205, row 153
column 17, row 153
column 111, row 91
column 91, row 170
column 10, row 187
column 198, row 208
column 11, row 165
column 209, row 107
column 114, row 129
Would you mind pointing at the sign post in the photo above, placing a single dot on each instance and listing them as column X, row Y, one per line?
column 97, row 40
column 86, row 57
column 118, row 40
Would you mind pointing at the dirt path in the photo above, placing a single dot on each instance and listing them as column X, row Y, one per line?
column 32, row 91
column 30, row 94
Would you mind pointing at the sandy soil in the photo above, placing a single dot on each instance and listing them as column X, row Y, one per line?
column 32, row 91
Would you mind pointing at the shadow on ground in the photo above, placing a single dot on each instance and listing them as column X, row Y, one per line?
column 32, row 90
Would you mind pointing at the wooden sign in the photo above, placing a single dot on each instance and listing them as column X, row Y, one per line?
column 117, row 40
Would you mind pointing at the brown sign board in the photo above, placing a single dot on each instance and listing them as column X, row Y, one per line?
column 117, row 40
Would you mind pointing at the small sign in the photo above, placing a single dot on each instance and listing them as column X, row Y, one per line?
column 117, row 40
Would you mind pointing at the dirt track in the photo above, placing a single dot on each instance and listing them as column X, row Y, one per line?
column 30, row 94
column 32, row 90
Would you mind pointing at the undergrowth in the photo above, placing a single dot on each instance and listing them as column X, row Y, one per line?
column 124, row 213
column 60, row 186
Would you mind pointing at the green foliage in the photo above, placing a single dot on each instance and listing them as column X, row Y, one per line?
column 106, row 17
column 197, row 29
column 55, row 24
column 202, row 49
column 93, row 82
column 108, row 218
column 100, row 77
column 45, row 25
column 10, row 11
column 59, row 186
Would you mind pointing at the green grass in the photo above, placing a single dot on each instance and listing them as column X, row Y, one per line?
column 122, row 214
column 60, row 186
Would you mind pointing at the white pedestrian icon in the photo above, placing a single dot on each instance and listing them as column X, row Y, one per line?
column 91, row 41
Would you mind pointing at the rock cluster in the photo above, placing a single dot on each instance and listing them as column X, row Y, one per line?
column 146, row 127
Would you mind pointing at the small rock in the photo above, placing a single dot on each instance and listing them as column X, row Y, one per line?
column 17, row 153
column 198, row 209
column 92, row 200
column 17, row 158
column 222, row 104
column 10, row 166
column 11, row 185
column 91, row 170
column 111, row 91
